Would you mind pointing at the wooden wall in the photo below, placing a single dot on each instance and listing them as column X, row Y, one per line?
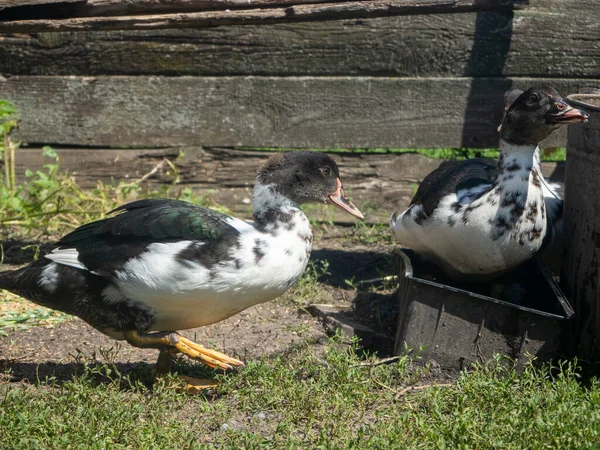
column 400, row 73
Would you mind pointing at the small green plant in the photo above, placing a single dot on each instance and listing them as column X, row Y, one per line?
column 8, row 121
column 49, row 202
column 370, row 234
column 351, row 282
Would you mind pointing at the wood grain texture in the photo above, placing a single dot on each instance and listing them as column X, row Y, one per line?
column 90, row 8
column 580, row 265
column 289, row 13
column 487, row 44
column 20, row 3
column 377, row 183
column 300, row 112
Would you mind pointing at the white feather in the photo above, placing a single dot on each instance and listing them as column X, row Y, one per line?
column 466, row 196
column 66, row 257
column 49, row 278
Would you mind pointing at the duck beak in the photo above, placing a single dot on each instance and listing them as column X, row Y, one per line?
column 561, row 113
column 340, row 199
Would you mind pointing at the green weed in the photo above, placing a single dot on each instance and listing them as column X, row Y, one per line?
column 50, row 203
column 370, row 234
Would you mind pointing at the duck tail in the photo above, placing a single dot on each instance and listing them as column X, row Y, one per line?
column 6, row 278
column 23, row 281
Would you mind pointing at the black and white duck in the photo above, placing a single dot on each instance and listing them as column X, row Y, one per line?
column 477, row 218
column 158, row 266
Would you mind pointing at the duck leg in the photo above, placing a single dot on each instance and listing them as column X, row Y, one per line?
column 170, row 343
column 175, row 343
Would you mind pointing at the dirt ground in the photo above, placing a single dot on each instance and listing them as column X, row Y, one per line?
column 261, row 331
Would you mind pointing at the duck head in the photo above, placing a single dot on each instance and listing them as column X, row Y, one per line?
column 305, row 177
column 533, row 114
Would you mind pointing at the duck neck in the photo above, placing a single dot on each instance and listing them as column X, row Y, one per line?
column 518, row 173
column 517, row 158
column 273, row 212
column 516, row 162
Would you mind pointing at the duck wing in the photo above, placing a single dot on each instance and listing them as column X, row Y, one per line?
column 104, row 246
column 468, row 179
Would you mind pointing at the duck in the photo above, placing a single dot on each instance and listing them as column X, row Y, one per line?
column 478, row 218
column 158, row 266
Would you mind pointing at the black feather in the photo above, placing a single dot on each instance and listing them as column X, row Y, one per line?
column 79, row 293
column 451, row 177
column 105, row 245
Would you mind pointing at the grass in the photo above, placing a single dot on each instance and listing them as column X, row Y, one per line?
column 339, row 399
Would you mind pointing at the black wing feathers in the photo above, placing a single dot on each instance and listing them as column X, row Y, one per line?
column 105, row 245
column 156, row 219
column 450, row 177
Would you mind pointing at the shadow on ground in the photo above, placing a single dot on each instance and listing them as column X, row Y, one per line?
column 357, row 266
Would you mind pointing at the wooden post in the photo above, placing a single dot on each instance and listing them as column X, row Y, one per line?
column 581, row 265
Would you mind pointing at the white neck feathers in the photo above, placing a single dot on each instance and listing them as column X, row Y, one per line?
column 521, row 156
column 265, row 197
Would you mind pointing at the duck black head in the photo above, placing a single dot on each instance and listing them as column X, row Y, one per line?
column 303, row 177
column 535, row 113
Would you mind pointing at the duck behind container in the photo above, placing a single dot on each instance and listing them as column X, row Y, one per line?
column 477, row 219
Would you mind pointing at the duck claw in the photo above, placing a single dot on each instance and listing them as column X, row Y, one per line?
column 173, row 343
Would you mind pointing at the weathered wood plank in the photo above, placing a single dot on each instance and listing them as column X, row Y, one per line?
column 321, row 112
column 377, row 183
column 20, row 3
column 88, row 8
column 485, row 44
column 290, row 13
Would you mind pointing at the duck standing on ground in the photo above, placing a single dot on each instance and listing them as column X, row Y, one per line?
column 164, row 265
column 477, row 219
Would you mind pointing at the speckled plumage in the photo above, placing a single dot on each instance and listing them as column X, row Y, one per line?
column 169, row 265
column 477, row 218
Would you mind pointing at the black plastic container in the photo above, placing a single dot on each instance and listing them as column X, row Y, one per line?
column 459, row 323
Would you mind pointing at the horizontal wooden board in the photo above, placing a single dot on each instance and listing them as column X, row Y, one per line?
column 81, row 17
column 7, row 4
column 66, row 17
column 88, row 8
column 487, row 44
column 377, row 183
column 30, row 9
column 289, row 13
column 323, row 112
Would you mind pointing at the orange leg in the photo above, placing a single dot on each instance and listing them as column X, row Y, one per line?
column 170, row 343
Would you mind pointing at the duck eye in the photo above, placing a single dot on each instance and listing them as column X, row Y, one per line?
column 326, row 171
column 533, row 98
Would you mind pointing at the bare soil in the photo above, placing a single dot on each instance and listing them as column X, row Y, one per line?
column 262, row 331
